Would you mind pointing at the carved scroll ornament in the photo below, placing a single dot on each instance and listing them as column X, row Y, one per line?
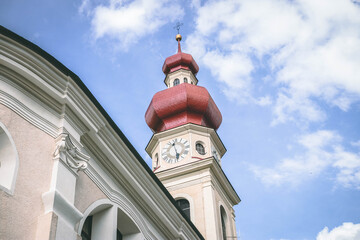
column 69, row 153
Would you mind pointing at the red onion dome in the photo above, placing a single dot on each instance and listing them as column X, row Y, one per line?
column 180, row 60
column 182, row 104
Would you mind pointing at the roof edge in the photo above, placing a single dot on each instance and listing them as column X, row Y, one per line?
column 62, row 68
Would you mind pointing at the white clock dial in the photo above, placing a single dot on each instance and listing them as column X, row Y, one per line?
column 175, row 150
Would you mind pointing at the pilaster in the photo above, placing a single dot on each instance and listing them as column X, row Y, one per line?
column 211, row 227
column 104, row 224
column 59, row 200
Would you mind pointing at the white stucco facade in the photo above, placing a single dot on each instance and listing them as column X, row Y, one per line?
column 67, row 161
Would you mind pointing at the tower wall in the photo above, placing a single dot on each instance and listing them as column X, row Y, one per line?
column 186, row 151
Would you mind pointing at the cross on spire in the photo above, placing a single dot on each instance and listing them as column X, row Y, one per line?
column 178, row 26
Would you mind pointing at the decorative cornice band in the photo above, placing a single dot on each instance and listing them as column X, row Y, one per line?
column 25, row 112
column 207, row 163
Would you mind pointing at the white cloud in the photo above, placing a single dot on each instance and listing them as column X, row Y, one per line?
column 233, row 66
column 295, row 108
column 347, row 231
column 195, row 3
column 312, row 48
column 356, row 144
column 322, row 150
column 84, row 7
column 264, row 101
column 348, row 165
column 129, row 21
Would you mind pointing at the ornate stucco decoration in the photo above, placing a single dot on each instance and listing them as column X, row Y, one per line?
column 69, row 153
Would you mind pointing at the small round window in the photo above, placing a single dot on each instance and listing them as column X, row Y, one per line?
column 176, row 82
column 185, row 80
column 200, row 148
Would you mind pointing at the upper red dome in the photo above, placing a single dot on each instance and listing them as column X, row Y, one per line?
column 182, row 104
column 180, row 60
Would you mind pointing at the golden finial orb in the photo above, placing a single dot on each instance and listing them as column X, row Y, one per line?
column 178, row 37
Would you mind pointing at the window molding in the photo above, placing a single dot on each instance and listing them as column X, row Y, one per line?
column 200, row 148
column 106, row 213
column 224, row 220
column 8, row 164
column 191, row 202
column 176, row 82
column 157, row 163
column 95, row 207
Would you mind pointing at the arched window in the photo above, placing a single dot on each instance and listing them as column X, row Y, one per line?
column 223, row 221
column 8, row 161
column 119, row 235
column 185, row 80
column 107, row 221
column 200, row 148
column 184, row 205
column 86, row 230
column 176, row 82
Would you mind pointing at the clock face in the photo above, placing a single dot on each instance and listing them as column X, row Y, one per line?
column 175, row 150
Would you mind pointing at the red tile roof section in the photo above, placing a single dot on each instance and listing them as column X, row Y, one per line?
column 178, row 61
column 180, row 105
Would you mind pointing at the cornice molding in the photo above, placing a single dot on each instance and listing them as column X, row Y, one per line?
column 191, row 128
column 136, row 183
column 29, row 115
column 61, row 91
column 215, row 176
column 122, row 162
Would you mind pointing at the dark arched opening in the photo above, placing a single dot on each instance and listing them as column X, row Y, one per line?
column 184, row 205
column 223, row 221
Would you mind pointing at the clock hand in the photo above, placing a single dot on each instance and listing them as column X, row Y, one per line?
column 177, row 154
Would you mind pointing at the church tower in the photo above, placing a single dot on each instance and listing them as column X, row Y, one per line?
column 186, row 150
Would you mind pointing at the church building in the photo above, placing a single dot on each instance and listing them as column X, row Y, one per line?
column 67, row 172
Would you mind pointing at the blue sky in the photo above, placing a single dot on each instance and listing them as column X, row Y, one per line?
column 284, row 74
